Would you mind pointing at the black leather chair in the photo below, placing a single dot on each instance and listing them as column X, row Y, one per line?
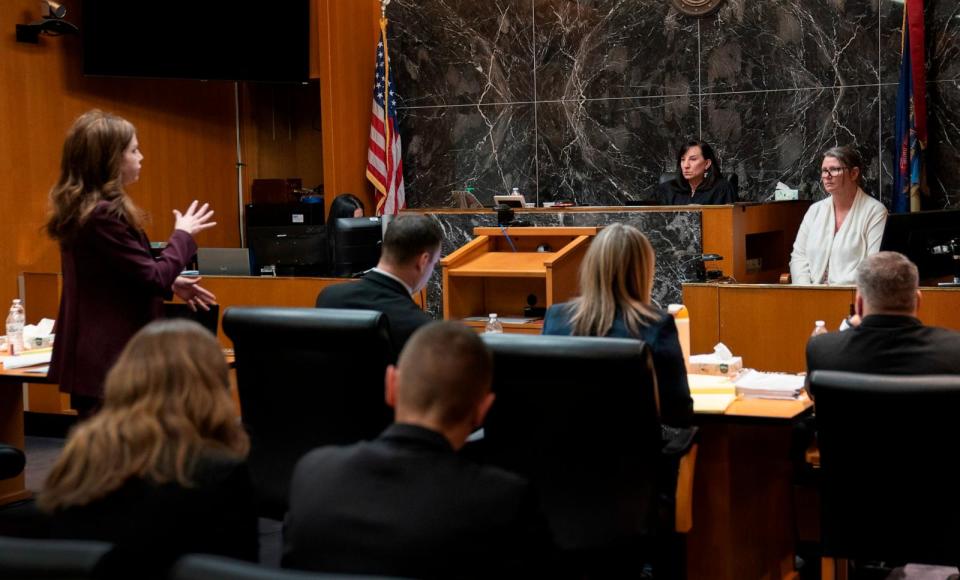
column 307, row 377
column 22, row 559
column 12, row 461
column 578, row 416
column 888, row 448
column 199, row 567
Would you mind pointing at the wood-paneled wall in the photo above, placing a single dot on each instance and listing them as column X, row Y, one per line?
column 347, row 41
column 186, row 130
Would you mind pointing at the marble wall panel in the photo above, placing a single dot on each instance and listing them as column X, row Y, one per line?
column 608, row 151
column 613, row 49
column 588, row 100
column 751, row 45
column 773, row 136
column 456, row 52
column 489, row 147
column 944, row 144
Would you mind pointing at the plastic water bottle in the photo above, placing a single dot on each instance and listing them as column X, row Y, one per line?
column 15, row 322
column 819, row 328
column 493, row 324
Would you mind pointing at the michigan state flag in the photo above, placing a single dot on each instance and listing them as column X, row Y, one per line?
column 910, row 133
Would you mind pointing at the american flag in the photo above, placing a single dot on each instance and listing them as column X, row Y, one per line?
column 384, row 157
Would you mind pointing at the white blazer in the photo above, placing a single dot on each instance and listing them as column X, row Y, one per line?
column 817, row 250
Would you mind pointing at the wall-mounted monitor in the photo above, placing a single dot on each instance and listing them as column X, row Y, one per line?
column 194, row 39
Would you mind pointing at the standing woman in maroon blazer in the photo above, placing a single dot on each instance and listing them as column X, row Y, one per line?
column 112, row 286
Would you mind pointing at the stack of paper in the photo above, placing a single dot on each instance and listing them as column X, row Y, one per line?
column 711, row 393
column 761, row 385
column 26, row 360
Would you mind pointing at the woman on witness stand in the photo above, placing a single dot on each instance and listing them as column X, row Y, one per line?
column 112, row 286
column 698, row 179
column 159, row 470
column 345, row 205
column 616, row 281
column 839, row 232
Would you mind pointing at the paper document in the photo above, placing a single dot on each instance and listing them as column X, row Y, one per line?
column 769, row 385
column 26, row 360
column 711, row 384
column 38, row 370
column 712, row 403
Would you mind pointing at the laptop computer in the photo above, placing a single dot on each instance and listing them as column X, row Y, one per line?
column 223, row 261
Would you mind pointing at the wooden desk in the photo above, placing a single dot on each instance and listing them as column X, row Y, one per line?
column 769, row 325
column 743, row 521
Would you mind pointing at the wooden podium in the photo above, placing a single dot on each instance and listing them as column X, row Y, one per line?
column 499, row 269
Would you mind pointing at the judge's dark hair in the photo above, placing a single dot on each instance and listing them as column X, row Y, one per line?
column 410, row 235
column 849, row 157
column 343, row 206
column 712, row 175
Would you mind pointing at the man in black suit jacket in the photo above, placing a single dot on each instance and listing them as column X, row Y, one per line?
column 406, row 504
column 411, row 248
column 890, row 339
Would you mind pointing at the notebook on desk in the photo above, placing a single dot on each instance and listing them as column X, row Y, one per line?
column 223, row 261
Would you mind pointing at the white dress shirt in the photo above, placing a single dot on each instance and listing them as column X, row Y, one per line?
column 820, row 255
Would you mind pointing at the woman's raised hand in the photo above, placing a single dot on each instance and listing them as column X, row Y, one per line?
column 194, row 220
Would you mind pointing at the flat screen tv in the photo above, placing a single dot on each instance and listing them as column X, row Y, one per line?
column 197, row 39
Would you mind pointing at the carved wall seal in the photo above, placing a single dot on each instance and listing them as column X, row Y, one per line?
column 697, row 7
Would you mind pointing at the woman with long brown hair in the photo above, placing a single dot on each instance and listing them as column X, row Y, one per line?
column 616, row 284
column 160, row 470
column 112, row 286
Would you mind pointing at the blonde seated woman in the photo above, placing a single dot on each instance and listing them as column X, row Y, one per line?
column 160, row 471
column 616, row 284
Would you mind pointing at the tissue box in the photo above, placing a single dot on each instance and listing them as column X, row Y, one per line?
column 727, row 368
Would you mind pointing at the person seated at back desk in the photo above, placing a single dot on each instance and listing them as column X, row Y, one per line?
column 407, row 504
column 698, row 180
column 889, row 339
column 411, row 248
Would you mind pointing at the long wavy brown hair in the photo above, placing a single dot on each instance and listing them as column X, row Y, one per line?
column 616, row 274
column 166, row 402
column 90, row 172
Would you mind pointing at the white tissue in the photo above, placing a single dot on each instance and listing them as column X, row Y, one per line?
column 720, row 354
column 783, row 192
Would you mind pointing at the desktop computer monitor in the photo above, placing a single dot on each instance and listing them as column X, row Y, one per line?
column 930, row 239
column 287, row 239
column 356, row 244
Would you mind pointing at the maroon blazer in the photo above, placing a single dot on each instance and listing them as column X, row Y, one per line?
column 112, row 287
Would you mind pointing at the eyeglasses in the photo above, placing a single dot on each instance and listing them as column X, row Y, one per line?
column 832, row 171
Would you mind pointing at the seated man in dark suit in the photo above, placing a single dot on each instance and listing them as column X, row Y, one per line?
column 411, row 248
column 406, row 504
column 890, row 339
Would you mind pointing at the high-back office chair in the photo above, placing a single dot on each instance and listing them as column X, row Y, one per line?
column 53, row 559
column 307, row 377
column 578, row 416
column 201, row 567
column 888, row 449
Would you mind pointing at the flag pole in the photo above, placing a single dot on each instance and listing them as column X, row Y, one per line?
column 386, row 103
